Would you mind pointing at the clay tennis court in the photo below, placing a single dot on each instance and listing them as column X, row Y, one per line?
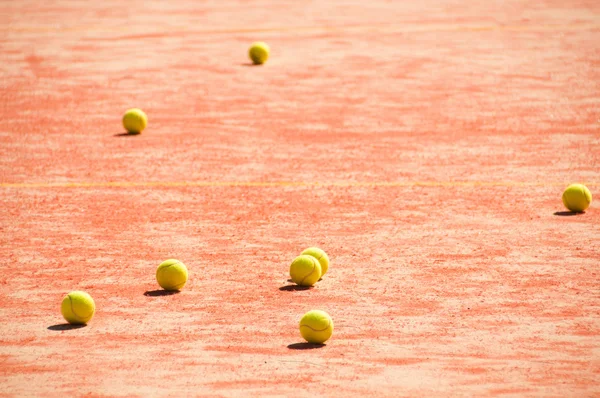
column 424, row 145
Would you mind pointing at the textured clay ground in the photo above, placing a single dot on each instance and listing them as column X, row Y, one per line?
column 424, row 146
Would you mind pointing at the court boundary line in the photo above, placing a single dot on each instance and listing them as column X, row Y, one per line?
column 383, row 28
column 283, row 184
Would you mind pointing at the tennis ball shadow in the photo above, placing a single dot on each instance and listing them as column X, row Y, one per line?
column 567, row 213
column 160, row 292
column 65, row 326
column 249, row 64
column 126, row 134
column 305, row 346
column 293, row 288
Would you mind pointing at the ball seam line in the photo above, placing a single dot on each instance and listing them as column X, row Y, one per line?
column 169, row 265
column 585, row 197
column 317, row 330
column 72, row 310
column 311, row 272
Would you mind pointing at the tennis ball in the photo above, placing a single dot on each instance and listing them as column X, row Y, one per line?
column 316, row 326
column 305, row 270
column 78, row 307
column 319, row 255
column 135, row 121
column 172, row 274
column 577, row 197
column 259, row 52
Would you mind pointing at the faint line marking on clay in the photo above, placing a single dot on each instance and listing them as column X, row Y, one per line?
column 135, row 32
column 265, row 184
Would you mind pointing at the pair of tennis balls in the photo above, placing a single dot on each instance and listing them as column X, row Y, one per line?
column 577, row 198
column 309, row 267
column 135, row 120
column 78, row 307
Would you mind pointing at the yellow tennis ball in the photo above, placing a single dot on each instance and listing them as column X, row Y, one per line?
column 172, row 274
column 577, row 197
column 316, row 326
column 319, row 255
column 135, row 121
column 78, row 307
column 259, row 52
column 305, row 270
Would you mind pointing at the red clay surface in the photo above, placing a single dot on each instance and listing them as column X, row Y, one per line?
column 423, row 145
